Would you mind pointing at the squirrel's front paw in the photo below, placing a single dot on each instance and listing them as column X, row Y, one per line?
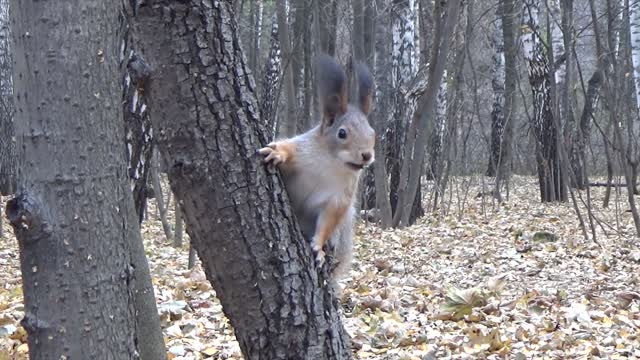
column 317, row 249
column 271, row 155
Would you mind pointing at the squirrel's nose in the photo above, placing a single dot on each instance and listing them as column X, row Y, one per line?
column 366, row 156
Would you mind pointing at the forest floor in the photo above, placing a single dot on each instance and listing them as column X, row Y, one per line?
column 517, row 281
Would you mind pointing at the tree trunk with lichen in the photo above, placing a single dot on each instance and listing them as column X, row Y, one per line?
column 237, row 213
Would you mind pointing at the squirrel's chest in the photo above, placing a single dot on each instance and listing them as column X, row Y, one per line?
column 314, row 189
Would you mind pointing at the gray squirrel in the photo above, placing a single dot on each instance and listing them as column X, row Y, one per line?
column 321, row 167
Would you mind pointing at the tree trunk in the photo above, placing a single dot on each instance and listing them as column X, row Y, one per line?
column 7, row 137
column 268, row 105
column 582, row 132
column 357, row 35
column 287, row 126
column 634, row 29
column 179, row 224
column 398, row 133
column 138, row 133
column 497, row 85
column 326, row 24
column 551, row 181
column 414, row 155
column 510, row 24
column 73, row 214
column 438, row 132
column 160, row 204
column 237, row 214
column 380, row 113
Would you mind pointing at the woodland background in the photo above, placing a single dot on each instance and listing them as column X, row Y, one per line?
column 500, row 215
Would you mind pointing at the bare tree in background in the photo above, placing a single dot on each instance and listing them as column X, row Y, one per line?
column 8, row 166
column 551, row 180
column 414, row 155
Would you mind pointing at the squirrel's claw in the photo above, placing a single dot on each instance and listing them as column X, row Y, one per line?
column 319, row 254
column 271, row 154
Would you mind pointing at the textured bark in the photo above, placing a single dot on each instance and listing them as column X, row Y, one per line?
column 268, row 105
column 510, row 24
column 400, row 129
column 139, row 151
column 438, row 131
column 138, row 131
column 73, row 213
column 7, row 137
column 551, row 180
column 425, row 8
column 380, row 114
column 237, row 214
column 497, row 85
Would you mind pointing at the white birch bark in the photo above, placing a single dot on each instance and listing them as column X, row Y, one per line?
column 557, row 40
column 634, row 28
column 498, row 86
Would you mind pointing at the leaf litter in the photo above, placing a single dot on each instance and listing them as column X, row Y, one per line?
column 512, row 281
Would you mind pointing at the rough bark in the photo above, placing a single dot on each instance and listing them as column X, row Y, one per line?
column 138, row 131
column 237, row 214
column 380, row 114
column 497, row 85
column 73, row 213
column 7, row 136
column 438, row 131
column 268, row 105
column 138, row 140
column 400, row 128
column 510, row 24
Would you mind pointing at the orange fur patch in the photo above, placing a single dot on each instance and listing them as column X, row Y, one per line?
column 328, row 221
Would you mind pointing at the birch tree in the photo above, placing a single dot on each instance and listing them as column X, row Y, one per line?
column 634, row 29
column 415, row 150
column 497, row 85
column 551, row 181
column 269, row 103
column 398, row 133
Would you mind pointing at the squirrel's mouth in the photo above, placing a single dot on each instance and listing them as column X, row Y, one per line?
column 355, row 166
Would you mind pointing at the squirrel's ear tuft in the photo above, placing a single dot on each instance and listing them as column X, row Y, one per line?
column 365, row 88
column 332, row 89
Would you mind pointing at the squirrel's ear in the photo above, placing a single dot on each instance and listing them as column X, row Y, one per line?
column 332, row 89
column 365, row 88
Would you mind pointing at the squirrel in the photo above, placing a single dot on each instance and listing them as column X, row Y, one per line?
column 322, row 166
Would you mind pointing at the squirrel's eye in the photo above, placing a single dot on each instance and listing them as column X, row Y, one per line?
column 342, row 134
